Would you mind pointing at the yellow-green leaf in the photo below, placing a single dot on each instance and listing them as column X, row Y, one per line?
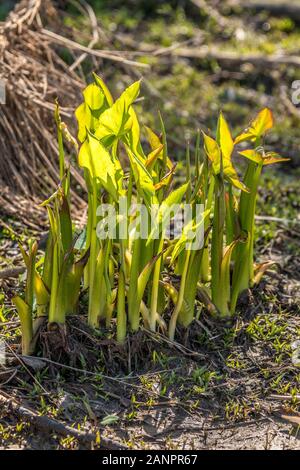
column 25, row 315
column 84, row 118
column 273, row 157
column 155, row 142
column 153, row 139
column 258, row 127
column 252, row 155
column 172, row 201
column 262, row 158
column 153, row 156
column 232, row 176
column 94, row 156
column 213, row 152
column 93, row 97
column 175, row 197
column 189, row 232
column 225, row 138
column 88, row 112
column 142, row 178
column 101, row 84
column 116, row 120
column 166, row 179
column 134, row 135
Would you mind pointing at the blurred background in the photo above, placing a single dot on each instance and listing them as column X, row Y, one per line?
column 204, row 55
column 197, row 57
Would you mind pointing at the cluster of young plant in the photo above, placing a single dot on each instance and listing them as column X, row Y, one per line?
column 151, row 281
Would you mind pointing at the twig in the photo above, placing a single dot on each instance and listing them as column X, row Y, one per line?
column 183, row 349
column 268, row 218
column 94, row 23
column 50, row 425
column 14, row 373
column 284, row 397
column 210, row 11
column 97, row 53
column 233, row 59
column 292, row 109
column 288, row 9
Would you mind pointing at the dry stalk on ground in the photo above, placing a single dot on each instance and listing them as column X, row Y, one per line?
column 34, row 76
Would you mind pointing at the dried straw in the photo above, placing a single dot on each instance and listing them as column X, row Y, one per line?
column 35, row 76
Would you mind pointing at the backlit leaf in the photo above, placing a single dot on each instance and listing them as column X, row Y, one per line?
column 225, row 138
column 188, row 235
column 133, row 137
column 153, row 156
column 116, row 120
column 175, row 197
column 272, row 157
column 101, row 84
column 153, row 139
column 252, row 155
column 267, row 158
column 258, row 127
column 84, row 118
column 88, row 112
column 213, row 152
column 155, row 142
column 142, row 178
column 169, row 206
column 232, row 176
column 93, row 97
column 94, row 156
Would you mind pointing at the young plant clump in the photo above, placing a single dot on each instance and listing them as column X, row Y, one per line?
column 137, row 275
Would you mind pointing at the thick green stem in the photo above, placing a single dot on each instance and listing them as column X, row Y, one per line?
column 121, row 310
column 230, row 227
column 133, row 309
column 205, row 258
column 173, row 320
column 89, row 226
column 244, row 270
column 25, row 315
column 186, row 315
column 252, row 210
column 54, row 316
column 217, row 240
column 155, row 287
column 121, row 313
column 93, row 313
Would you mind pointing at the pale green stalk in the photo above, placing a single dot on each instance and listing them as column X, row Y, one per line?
column 217, row 239
column 133, row 309
column 173, row 320
column 92, row 312
column 155, row 286
column 244, row 263
column 204, row 275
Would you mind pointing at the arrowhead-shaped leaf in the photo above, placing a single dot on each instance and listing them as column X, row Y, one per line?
column 258, row 127
column 94, row 156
